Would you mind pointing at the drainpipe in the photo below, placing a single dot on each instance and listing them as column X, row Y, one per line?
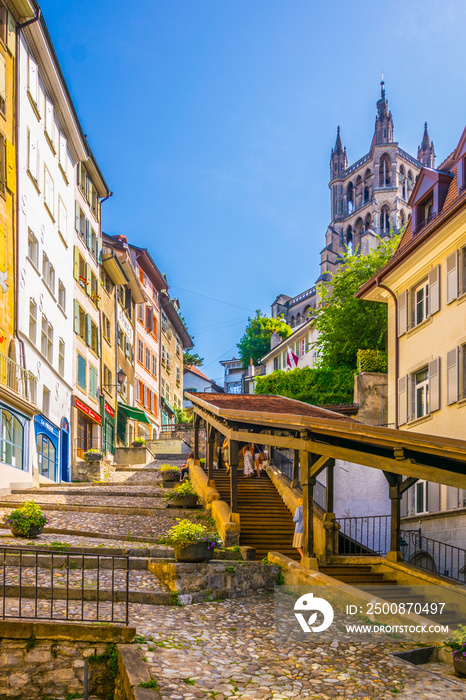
column 394, row 297
column 19, row 27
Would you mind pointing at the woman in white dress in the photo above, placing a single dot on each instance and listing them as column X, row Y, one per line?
column 248, row 461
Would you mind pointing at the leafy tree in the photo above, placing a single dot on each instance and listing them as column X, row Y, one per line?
column 192, row 358
column 255, row 342
column 346, row 324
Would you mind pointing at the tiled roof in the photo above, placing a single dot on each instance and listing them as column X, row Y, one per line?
column 195, row 370
column 267, row 404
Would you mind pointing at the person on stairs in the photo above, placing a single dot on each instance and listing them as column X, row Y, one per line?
column 298, row 530
column 226, row 455
column 248, row 459
column 185, row 469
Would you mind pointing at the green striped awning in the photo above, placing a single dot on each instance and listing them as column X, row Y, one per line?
column 133, row 413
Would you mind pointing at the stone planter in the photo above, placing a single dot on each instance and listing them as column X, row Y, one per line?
column 94, row 457
column 459, row 662
column 184, row 501
column 193, row 553
column 170, row 479
column 33, row 531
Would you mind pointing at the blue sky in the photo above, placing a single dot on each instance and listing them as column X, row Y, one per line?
column 213, row 120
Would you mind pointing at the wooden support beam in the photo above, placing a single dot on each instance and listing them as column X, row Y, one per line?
column 196, row 421
column 321, row 464
column 394, row 492
column 294, row 480
column 407, row 483
column 330, row 486
column 233, row 449
column 211, row 433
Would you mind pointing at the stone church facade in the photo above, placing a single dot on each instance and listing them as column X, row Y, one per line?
column 368, row 199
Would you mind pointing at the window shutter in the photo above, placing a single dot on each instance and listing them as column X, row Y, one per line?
column 433, row 497
column 434, row 290
column 88, row 330
column 452, row 376
column 452, row 277
column 144, row 388
column 76, row 317
column 132, row 356
column 402, row 313
column 88, row 235
column 99, row 351
column 77, row 215
column 2, row 78
column 410, row 388
column 127, row 353
column 88, row 278
column 99, row 293
column 33, row 78
column 149, row 318
column 99, row 250
column 434, row 385
column 402, row 400
column 11, row 35
column 76, row 264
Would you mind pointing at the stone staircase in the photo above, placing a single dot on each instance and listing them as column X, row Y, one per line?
column 266, row 523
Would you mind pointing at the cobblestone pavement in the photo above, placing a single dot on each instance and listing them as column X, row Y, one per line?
column 142, row 501
column 7, row 539
column 227, row 650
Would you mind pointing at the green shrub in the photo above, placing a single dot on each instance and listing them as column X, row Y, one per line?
column 313, row 385
column 27, row 516
column 186, row 533
column 184, row 489
column 165, row 468
column 372, row 361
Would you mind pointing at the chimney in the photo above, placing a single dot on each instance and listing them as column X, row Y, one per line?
column 274, row 340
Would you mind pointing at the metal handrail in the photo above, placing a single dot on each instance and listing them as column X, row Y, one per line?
column 285, row 466
column 63, row 585
column 361, row 535
column 432, row 555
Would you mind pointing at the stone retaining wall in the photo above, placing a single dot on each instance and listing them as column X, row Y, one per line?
column 90, row 471
column 47, row 660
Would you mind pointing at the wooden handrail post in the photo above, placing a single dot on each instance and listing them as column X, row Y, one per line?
column 233, row 446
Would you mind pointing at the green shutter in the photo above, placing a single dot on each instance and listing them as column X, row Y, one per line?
column 88, row 234
column 76, row 264
column 88, row 330
column 99, row 250
column 82, row 367
column 76, row 317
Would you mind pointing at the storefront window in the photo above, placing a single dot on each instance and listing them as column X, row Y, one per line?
column 46, row 454
column 11, row 440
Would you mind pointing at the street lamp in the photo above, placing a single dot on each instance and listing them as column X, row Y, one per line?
column 121, row 376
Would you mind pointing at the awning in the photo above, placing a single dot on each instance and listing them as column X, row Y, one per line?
column 133, row 413
column 167, row 405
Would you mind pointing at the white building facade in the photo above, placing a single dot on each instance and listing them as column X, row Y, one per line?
column 50, row 142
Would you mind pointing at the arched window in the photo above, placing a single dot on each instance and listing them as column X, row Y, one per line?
column 358, row 195
column 298, row 319
column 350, row 197
column 367, row 222
column 385, row 171
column 46, row 454
column 410, row 183
column 292, row 322
column 367, row 185
column 11, row 439
column 402, row 217
column 402, row 182
column 385, row 220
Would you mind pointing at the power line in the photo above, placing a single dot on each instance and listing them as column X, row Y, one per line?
column 220, row 301
column 219, row 358
column 212, row 325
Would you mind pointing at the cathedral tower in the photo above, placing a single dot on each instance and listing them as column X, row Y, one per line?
column 338, row 165
column 383, row 132
column 425, row 152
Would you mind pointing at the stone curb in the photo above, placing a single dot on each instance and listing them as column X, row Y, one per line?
column 67, row 631
column 134, row 671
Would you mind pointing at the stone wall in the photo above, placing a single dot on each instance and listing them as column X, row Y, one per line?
column 44, row 660
column 371, row 394
column 90, row 471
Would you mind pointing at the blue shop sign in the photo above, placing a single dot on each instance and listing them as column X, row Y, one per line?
column 43, row 425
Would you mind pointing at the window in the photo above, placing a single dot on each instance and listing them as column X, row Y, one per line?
column 148, row 359
column 168, row 360
column 92, row 382
column 178, row 375
column 63, row 155
column 421, row 389
column 106, row 328
column 61, row 295
column 421, row 301
column 140, row 351
column 61, row 357
column 149, row 318
column 154, row 365
column 11, row 439
column 48, row 273
column 154, row 294
column 141, row 312
column 49, row 122
column 82, row 372
column 32, row 321
column 385, row 171
column 33, row 157
column 107, row 384
column 45, row 401
column 62, row 218
column 33, row 249
column 82, row 324
column 46, row 455
column 33, row 79
column 94, row 289
column 80, row 221
column 49, row 192
column 275, row 363
column 107, row 282
column 178, row 347
column 94, row 340
column 421, row 497
column 164, row 355
column 47, row 339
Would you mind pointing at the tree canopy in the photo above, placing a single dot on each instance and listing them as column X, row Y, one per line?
column 346, row 324
column 192, row 358
column 255, row 342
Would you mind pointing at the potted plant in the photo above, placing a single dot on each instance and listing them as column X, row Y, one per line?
column 93, row 455
column 139, row 442
column 192, row 543
column 170, row 475
column 202, row 461
column 183, row 496
column 26, row 521
column 457, row 645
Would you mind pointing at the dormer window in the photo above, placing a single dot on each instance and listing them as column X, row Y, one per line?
column 425, row 211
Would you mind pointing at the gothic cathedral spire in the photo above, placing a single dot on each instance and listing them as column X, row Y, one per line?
column 338, row 159
column 425, row 152
column 383, row 132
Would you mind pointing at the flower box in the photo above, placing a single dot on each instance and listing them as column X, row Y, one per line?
column 193, row 553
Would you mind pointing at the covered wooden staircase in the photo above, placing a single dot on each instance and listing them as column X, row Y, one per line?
column 266, row 523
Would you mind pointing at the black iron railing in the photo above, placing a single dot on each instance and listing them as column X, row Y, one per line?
column 432, row 555
column 285, row 465
column 63, row 585
column 364, row 535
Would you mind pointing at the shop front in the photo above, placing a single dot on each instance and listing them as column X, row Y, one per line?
column 108, row 429
column 128, row 424
column 14, row 438
column 47, row 445
column 88, row 424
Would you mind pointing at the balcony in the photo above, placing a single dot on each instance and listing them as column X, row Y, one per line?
column 17, row 379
